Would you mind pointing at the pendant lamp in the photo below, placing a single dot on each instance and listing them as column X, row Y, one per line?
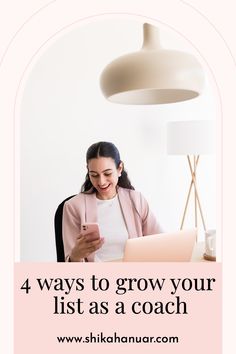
column 152, row 75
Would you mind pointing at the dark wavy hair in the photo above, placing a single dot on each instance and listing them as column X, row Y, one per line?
column 105, row 149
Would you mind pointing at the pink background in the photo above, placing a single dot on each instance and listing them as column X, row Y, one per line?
column 36, row 327
column 17, row 17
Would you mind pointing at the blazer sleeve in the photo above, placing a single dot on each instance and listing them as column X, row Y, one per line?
column 71, row 225
column 150, row 225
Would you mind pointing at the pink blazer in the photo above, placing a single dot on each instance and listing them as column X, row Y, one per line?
column 83, row 208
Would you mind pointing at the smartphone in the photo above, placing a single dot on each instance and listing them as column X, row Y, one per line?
column 88, row 228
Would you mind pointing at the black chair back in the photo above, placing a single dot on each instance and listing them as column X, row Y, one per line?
column 58, row 231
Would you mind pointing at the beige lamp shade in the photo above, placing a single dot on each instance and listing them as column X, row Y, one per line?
column 152, row 75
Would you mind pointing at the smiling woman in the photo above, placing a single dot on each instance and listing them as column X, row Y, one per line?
column 105, row 171
column 108, row 198
column 104, row 176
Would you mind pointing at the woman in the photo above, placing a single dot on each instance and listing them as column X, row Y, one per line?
column 106, row 197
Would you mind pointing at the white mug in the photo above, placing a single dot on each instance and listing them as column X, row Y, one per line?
column 210, row 243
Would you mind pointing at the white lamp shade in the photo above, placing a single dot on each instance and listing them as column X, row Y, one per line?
column 191, row 137
column 152, row 75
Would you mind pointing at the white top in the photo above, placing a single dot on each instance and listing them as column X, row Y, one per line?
column 112, row 228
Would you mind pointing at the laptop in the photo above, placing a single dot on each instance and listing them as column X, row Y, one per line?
column 165, row 247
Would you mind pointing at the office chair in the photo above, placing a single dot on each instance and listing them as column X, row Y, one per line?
column 58, row 231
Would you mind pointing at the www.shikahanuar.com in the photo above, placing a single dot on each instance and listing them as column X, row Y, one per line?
column 115, row 338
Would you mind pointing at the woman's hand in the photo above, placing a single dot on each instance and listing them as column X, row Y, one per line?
column 84, row 246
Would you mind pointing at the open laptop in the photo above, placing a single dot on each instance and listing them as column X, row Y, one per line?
column 165, row 247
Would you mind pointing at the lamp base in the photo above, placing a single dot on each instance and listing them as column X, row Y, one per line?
column 209, row 258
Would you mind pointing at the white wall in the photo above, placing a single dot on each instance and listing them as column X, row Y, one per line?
column 64, row 111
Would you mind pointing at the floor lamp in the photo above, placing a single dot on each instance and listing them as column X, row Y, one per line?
column 191, row 138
